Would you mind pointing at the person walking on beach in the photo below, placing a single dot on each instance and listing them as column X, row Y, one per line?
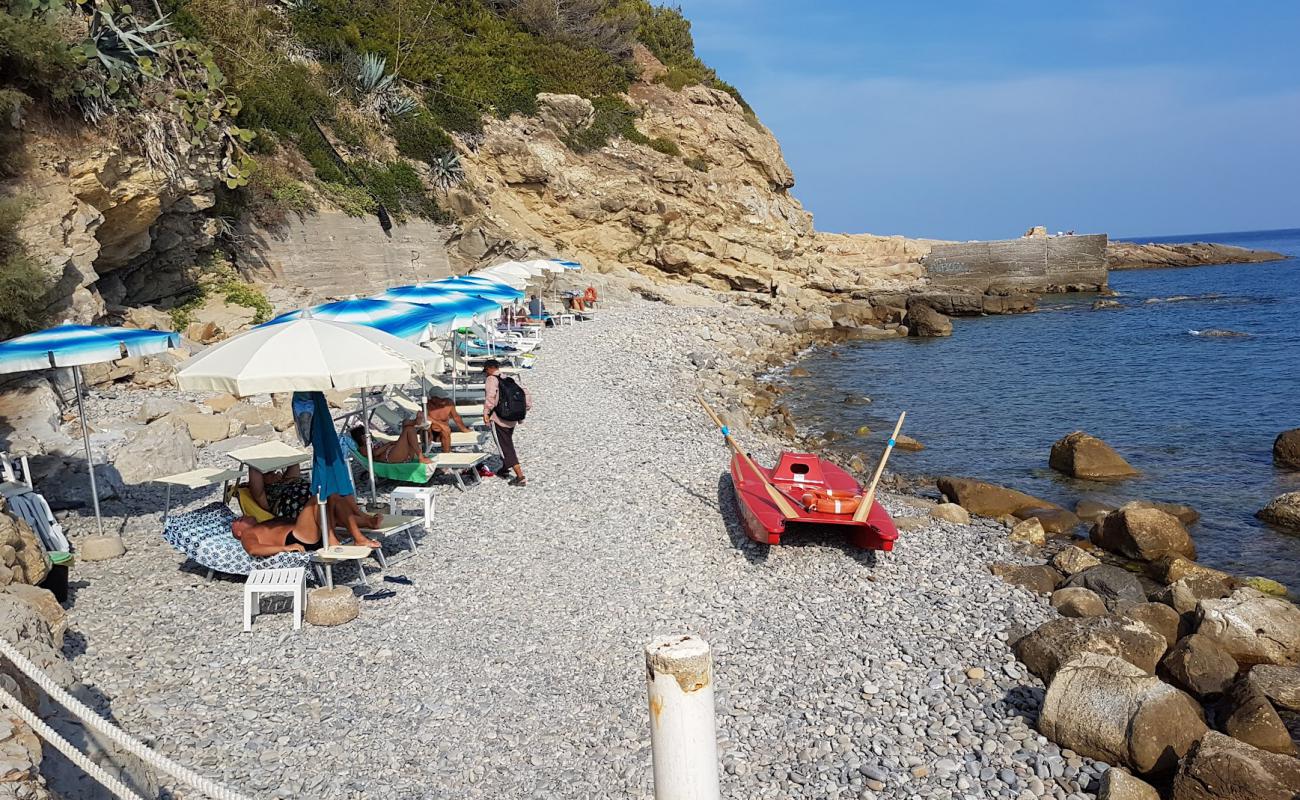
column 505, row 404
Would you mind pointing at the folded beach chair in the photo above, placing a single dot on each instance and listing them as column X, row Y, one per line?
column 458, row 465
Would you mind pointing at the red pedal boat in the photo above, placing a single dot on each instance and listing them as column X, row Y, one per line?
column 821, row 493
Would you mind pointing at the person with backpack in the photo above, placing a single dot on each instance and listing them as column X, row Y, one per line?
column 505, row 404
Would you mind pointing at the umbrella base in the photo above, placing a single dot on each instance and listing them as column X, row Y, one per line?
column 100, row 548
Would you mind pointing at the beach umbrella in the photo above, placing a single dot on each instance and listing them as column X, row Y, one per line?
column 329, row 469
column 403, row 320
column 513, row 273
column 566, row 264
column 454, row 308
column 545, row 265
column 74, row 346
column 305, row 355
column 503, row 293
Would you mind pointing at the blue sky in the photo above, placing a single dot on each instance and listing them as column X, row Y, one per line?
column 980, row 118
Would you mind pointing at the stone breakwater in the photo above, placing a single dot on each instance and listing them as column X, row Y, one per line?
column 511, row 667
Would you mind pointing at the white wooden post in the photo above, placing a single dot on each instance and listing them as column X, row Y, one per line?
column 683, row 735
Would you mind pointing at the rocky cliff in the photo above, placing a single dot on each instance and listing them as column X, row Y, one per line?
column 710, row 206
column 1131, row 255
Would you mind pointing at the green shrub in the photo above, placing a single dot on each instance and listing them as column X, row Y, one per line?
column 398, row 187
column 612, row 117
column 666, row 146
column 273, row 194
column 419, row 137
column 33, row 57
column 22, row 283
column 354, row 201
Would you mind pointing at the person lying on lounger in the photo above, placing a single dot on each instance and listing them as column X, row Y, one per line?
column 440, row 413
column 296, row 535
column 406, row 450
column 281, row 492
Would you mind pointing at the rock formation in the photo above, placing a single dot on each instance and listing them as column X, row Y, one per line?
column 1286, row 449
column 1143, row 533
column 1130, row 255
column 1283, row 511
column 1082, row 456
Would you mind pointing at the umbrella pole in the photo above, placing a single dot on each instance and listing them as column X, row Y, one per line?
column 370, row 450
column 85, row 440
column 454, row 370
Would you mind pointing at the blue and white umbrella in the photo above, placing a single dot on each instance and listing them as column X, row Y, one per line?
column 454, row 309
column 483, row 287
column 73, row 346
column 567, row 264
column 401, row 319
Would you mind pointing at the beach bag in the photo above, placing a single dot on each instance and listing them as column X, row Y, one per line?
column 512, row 405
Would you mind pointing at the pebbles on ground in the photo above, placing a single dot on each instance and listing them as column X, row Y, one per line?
column 513, row 666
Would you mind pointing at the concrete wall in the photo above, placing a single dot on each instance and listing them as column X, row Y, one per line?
column 1032, row 264
column 332, row 255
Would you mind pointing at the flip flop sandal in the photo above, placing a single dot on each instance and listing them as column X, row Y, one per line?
column 402, row 579
column 384, row 595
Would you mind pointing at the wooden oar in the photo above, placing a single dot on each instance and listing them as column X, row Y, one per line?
column 787, row 510
column 869, row 498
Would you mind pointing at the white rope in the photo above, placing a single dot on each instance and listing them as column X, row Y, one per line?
column 91, row 719
column 65, row 747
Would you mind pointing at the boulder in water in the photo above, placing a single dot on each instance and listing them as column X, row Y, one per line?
column 922, row 320
column 1143, row 533
column 1286, row 449
column 988, row 499
column 1283, row 511
column 1080, row 455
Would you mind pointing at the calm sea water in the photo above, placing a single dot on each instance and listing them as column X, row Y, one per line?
column 1196, row 414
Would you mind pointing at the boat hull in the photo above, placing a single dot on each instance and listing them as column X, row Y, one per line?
column 794, row 475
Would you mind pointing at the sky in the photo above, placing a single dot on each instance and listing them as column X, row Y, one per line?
column 976, row 119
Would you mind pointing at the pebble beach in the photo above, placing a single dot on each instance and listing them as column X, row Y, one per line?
column 513, row 665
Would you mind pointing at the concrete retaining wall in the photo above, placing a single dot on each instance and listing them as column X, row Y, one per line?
column 1041, row 264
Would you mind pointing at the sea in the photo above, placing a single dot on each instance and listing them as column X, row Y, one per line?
column 1196, row 413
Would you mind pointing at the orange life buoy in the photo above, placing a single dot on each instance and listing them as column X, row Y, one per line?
column 827, row 501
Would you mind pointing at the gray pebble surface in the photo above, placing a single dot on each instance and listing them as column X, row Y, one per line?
column 513, row 666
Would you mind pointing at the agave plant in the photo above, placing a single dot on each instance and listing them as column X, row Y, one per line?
column 396, row 104
column 122, row 44
column 370, row 74
column 447, row 170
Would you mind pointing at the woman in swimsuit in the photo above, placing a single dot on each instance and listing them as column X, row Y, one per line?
column 405, row 450
column 297, row 534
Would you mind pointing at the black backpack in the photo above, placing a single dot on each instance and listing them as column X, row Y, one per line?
column 512, row 405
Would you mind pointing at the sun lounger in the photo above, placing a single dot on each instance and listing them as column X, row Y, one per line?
column 458, row 465
column 391, row 525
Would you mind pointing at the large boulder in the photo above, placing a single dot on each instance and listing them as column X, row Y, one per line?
column 1105, row 708
column 1286, row 449
column 988, row 499
column 1055, row 642
column 1281, row 685
column 1185, row 594
column 1116, row 784
column 1158, row 617
column 163, row 447
column 1220, row 767
column 951, row 512
column 1174, row 568
column 1143, row 533
column 1072, row 560
column 152, row 408
column 1029, row 531
column 206, row 428
column 1185, row 513
column 1199, row 666
column 1283, row 511
column 1053, row 519
column 44, row 603
column 1078, row 602
column 1082, row 456
column 1253, row 627
column 925, row 321
column 1245, row 713
column 1037, row 578
column 1118, row 587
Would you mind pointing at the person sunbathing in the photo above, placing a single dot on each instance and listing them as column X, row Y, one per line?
column 282, row 535
column 405, row 450
column 440, row 412
column 283, row 493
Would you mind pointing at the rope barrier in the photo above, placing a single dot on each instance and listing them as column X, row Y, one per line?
column 66, row 748
column 90, row 719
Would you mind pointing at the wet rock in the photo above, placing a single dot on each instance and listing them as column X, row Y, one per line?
column 1099, row 305
column 1253, row 627
column 907, row 444
column 1054, row 643
column 800, row 372
column 1072, row 560
column 1196, row 664
column 1105, row 708
column 922, row 320
column 1158, row 617
column 1143, row 533
column 1266, row 585
column 1281, row 685
column 1030, row 531
column 1185, row 513
column 1117, row 784
column 1286, row 449
column 1116, row 586
column 988, row 499
column 1054, row 520
column 1073, row 601
column 1283, row 511
column 1245, row 714
column 951, row 512
column 1222, row 768
column 1039, row 578
column 1091, row 511
column 1080, row 455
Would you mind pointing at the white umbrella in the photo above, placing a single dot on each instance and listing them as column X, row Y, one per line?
column 545, row 265
column 307, row 355
column 513, row 273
